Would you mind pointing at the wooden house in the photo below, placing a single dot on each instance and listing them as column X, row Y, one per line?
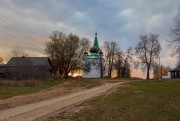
column 27, row 68
column 175, row 73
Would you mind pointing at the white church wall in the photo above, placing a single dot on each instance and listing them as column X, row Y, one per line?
column 94, row 73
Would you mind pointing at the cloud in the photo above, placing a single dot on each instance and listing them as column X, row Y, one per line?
column 29, row 22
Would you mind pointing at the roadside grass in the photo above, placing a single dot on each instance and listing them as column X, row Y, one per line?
column 9, row 88
column 20, row 88
column 148, row 100
column 13, row 91
column 89, row 83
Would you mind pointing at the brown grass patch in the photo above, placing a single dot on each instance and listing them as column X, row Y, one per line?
column 22, row 83
column 72, row 83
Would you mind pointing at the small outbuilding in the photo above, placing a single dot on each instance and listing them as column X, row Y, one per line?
column 175, row 73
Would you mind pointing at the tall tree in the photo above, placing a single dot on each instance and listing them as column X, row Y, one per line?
column 66, row 51
column 119, row 62
column 110, row 48
column 127, row 60
column 178, row 63
column 175, row 36
column 123, row 62
column 147, row 51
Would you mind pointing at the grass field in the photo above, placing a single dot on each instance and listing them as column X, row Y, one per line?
column 14, row 88
column 138, row 101
column 9, row 90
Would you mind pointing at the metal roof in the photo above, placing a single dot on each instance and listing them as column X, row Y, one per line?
column 30, row 61
column 175, row 69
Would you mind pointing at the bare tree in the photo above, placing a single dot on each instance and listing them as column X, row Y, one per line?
column 110, row 48
column 66, row 51
column 147, row 51
column 17, row 51
column 19, row 71
column 74, row 53
column 128, row 59
column 123, row 62
column 54, row 49
column 119, row 62
column 175, row 36
column 178, row 63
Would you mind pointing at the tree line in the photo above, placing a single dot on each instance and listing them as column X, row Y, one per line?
column 175, row 37
column 66, row 53
column 67, row 50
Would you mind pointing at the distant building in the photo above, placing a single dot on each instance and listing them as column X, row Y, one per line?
column 93, row 63
column 175, row 73
column 3, row 70
column 167, row 76
column 26, row 68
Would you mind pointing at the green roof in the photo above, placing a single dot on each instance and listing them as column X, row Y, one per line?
column 93, row 56
column 96, row 44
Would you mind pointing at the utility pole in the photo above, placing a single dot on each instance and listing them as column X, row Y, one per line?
column 159, row 69
column 101, row 55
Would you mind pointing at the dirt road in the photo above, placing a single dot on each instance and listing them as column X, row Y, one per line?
column 43, row 108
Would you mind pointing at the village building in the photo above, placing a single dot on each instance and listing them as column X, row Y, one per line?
column 93, row 62
column 3, row 68
column 175, row 73
column 26, row 68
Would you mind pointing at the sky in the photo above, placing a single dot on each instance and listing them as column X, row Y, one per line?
column 28, row 23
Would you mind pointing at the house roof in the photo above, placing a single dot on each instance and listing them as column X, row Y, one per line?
column 30, row 61
column 175, row 69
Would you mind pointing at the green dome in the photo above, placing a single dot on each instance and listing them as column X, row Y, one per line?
column 94, row 50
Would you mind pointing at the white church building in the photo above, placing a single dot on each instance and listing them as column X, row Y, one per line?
column 93, row 62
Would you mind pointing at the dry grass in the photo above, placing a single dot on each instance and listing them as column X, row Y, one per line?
column 10, row 88
column 22, row 83
column 151, row 100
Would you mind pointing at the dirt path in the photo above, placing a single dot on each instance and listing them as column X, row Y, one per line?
column 53, row 92
column 34, row 111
